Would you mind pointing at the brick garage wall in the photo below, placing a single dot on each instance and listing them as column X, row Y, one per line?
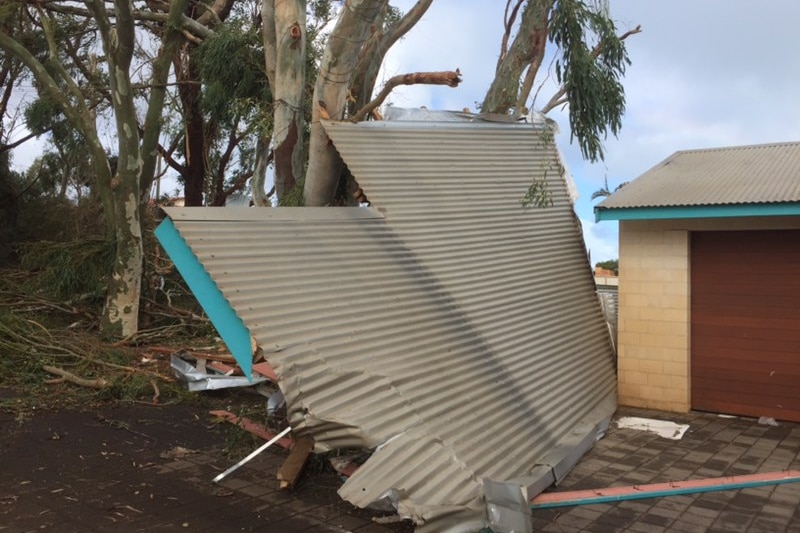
column 654, row 332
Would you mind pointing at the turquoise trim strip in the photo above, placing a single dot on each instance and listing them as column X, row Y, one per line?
column 661, row 493
column 229, row 326
column 701, row 211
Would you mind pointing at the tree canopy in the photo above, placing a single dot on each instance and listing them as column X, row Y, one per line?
column 222, row 90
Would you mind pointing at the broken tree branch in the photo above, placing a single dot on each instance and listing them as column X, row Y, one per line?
column 162, row 377
column 449, row 78
column 98, row 383
column 508, row 23
column 156, row 392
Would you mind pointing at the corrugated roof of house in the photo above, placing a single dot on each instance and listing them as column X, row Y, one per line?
column 455, row 331
column 757, row 174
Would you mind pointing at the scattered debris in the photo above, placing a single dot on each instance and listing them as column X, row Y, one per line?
column 346, row 465
column 252, row 427
column 156, row 392
column 390, row 519
column 663, row 428
column 276, row 401
column 8, row 499
column 127, row 507
column 293, row 465
column 200, row 373
column 178, row 452
column 247, row 459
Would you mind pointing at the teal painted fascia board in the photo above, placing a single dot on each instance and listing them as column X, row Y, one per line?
column 700, row 211
column 228, row 324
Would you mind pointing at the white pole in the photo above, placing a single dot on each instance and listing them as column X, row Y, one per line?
column 266, row 445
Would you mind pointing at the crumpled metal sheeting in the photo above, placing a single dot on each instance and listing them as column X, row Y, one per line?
column 429, row 463
column 444, row 312
column 199, row 381
column 333, row 421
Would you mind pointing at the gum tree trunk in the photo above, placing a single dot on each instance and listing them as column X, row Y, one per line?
column 330, row 95
column 507, row 93
column 284, row 33
column 121, row 316
column 120, row 193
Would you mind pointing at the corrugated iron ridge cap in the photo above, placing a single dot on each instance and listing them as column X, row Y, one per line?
column 734, row 148
column 738, row 147
column 657, row 188
column 254, row 214
column 435, row 124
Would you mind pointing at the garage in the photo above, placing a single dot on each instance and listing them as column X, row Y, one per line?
column 709, row 284
column 745, row 322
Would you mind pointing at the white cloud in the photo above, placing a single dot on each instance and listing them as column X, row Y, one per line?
column 600, row 239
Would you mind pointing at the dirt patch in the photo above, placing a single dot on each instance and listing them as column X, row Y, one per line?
column 146, row 468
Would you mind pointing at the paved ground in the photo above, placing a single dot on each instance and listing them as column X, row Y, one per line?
column 117, row 470
column 712, row 447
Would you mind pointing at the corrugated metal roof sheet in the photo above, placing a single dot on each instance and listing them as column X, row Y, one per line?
column 447, row 326
column 768, row 173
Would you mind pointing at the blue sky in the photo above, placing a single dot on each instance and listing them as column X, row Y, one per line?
column 704, row 73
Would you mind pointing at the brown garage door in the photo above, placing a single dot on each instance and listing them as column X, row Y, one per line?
column 746, row 323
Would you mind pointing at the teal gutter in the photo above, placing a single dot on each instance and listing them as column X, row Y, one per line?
column 228, row 324
column 699, row 211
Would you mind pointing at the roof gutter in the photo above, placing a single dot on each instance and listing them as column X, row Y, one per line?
column 699, row 211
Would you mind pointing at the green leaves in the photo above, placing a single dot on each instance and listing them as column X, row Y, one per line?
column 231, row 65
column 591, row 75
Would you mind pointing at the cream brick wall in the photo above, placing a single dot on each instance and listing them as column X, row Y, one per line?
column 654, row 291
column 653, row 334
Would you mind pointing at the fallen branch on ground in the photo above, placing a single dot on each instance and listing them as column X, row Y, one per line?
column 156, row 392
column 97, row 383
column 133, row 369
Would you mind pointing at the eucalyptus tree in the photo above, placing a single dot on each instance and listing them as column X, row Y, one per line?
column 320, row 60
column 222, row 102
column 590, row 60
column 13, row 74
column 350, row 57
column 70, row 82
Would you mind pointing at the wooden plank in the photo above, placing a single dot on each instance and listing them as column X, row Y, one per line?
column 657, row 490
column 252, row 427
column 291, row 468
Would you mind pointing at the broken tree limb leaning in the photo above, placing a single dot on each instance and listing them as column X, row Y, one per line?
column 449, row 77
column 252, row 455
